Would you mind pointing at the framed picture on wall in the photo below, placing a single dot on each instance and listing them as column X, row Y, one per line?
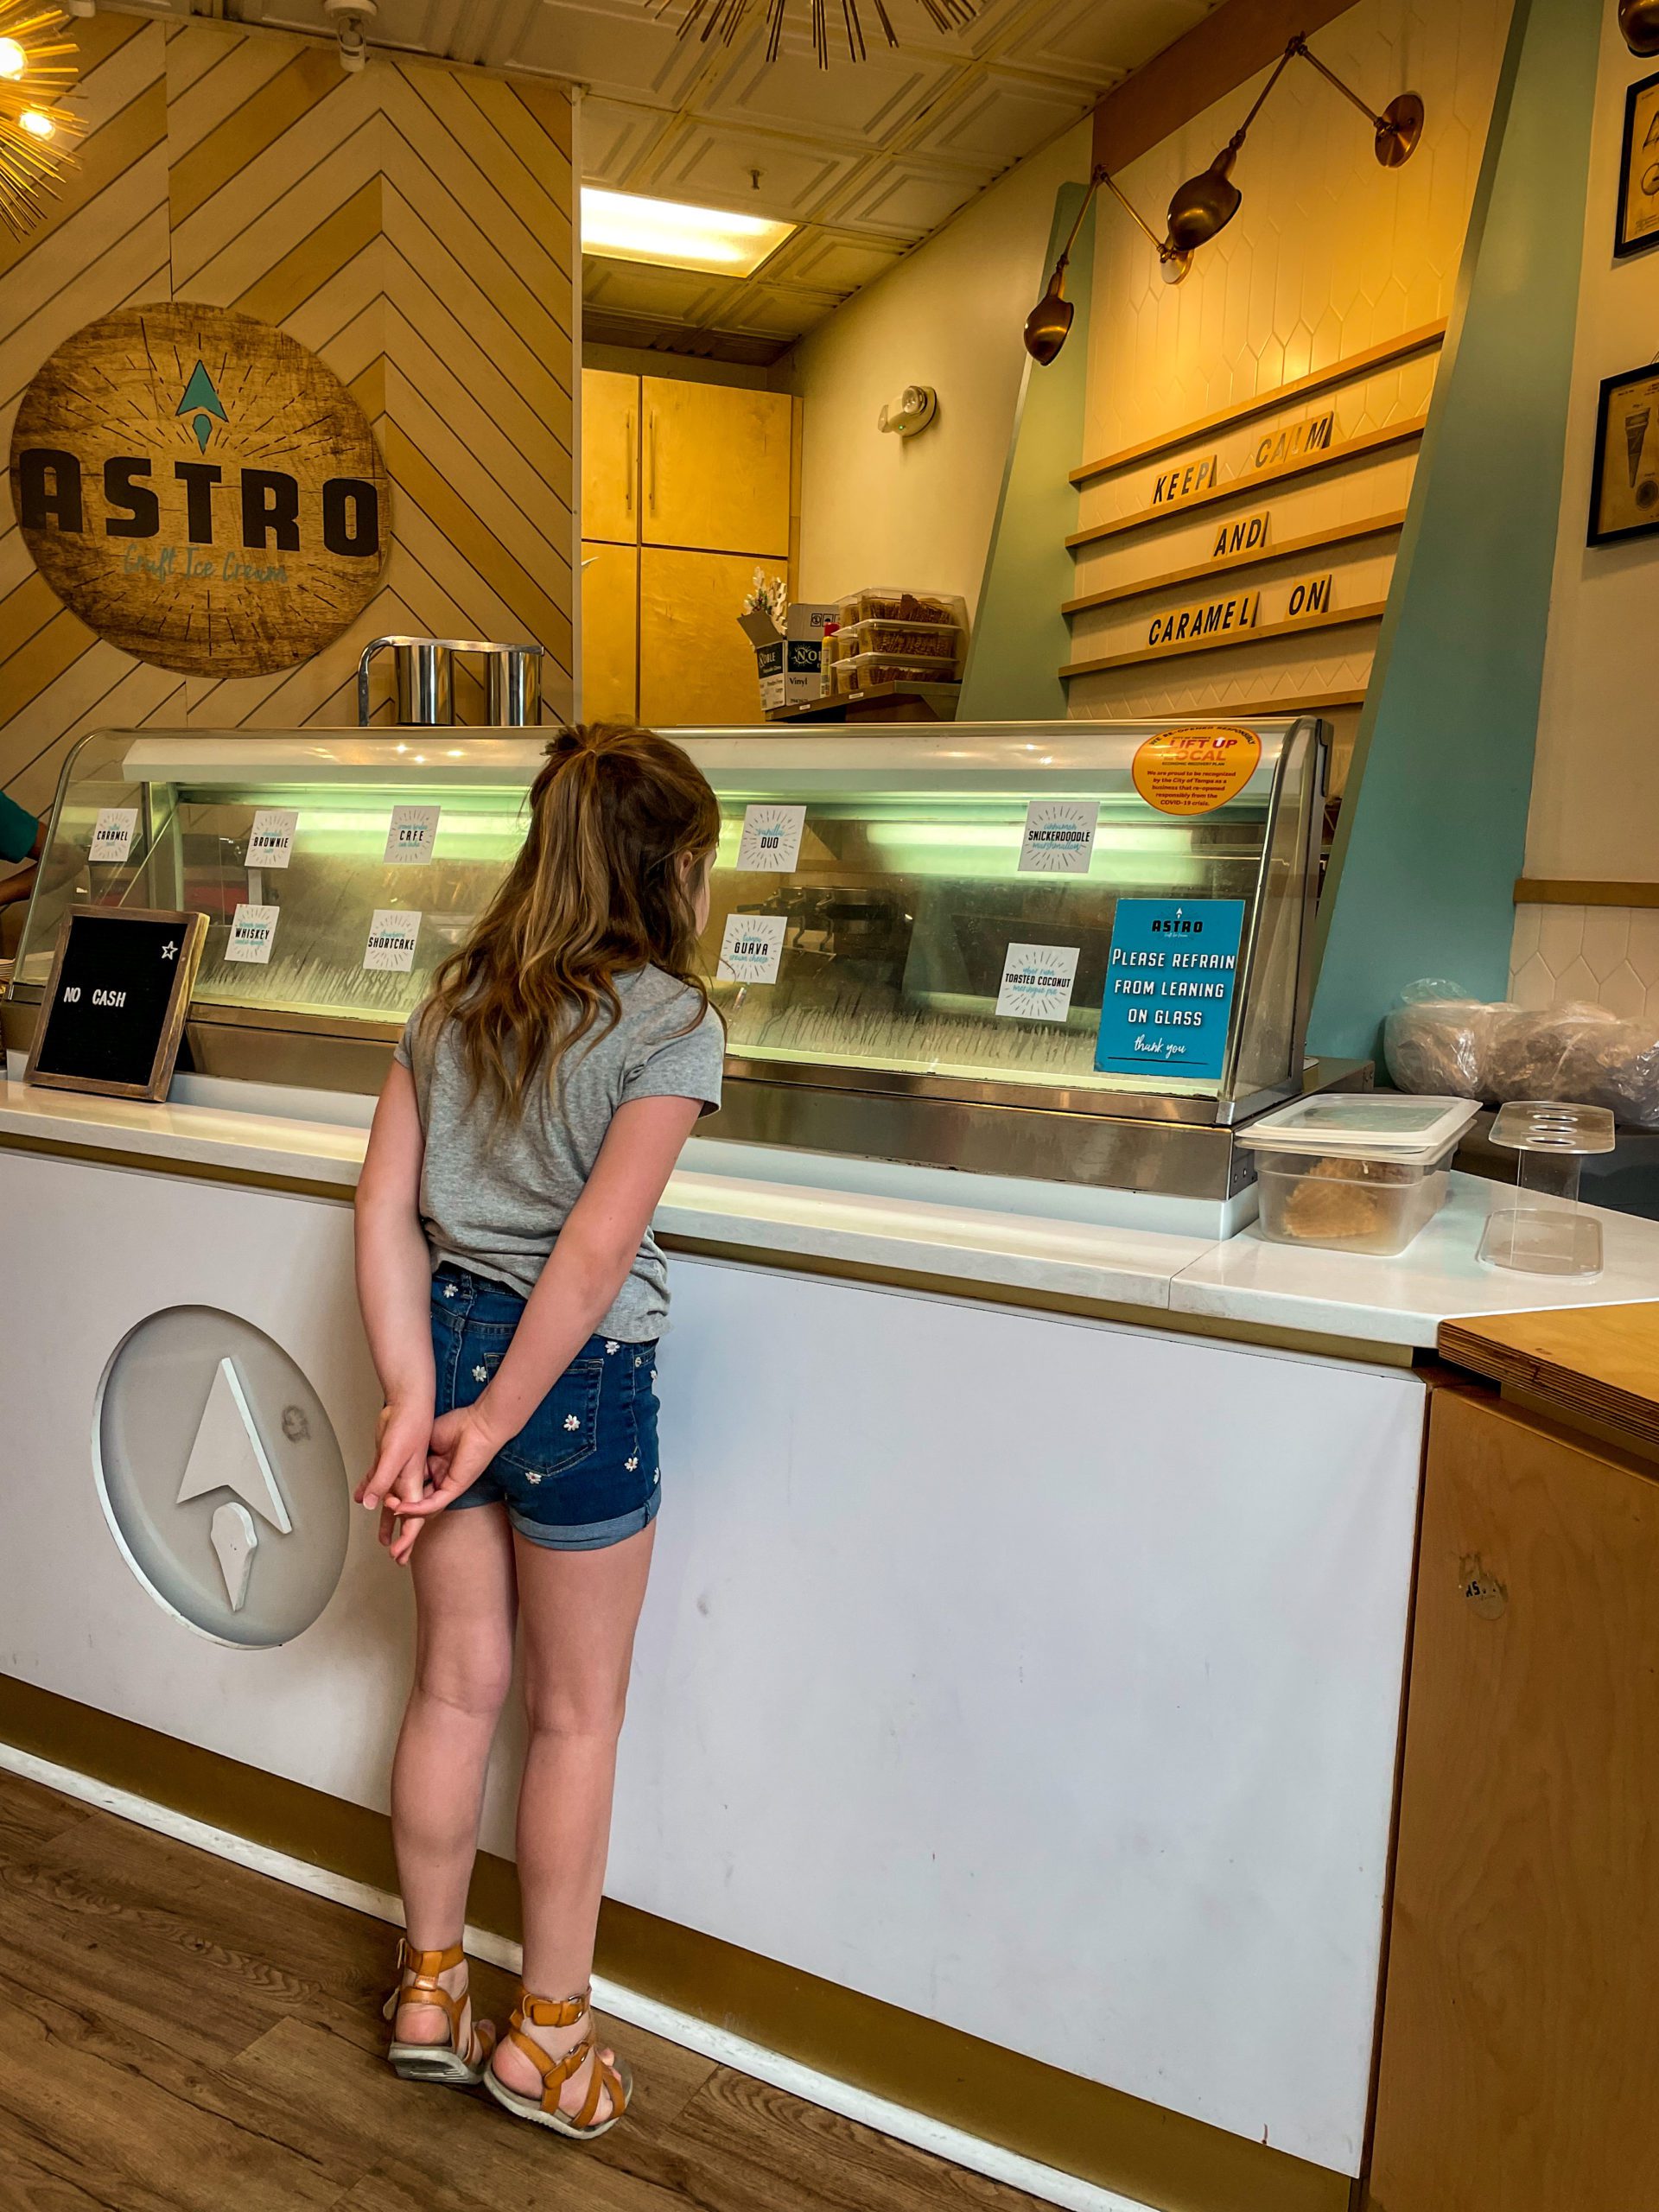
column 1625, row 480
column 1637, row 227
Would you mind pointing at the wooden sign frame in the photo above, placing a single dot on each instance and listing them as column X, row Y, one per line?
column 165, row 1056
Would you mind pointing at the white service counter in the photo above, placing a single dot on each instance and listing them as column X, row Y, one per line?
column 1035, row 1670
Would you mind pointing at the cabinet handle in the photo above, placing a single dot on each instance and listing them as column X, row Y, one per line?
column 650, row 460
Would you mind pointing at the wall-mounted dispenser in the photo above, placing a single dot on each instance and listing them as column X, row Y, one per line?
column 424, row 672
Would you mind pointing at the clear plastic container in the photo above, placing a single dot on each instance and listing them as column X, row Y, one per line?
column 1354, row 1172
column 1547, row 1232
column 939, row 642
column 867, row 671
column 892, row 603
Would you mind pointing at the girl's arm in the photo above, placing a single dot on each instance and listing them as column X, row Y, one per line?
column 589, row 1265
column 394, row 1287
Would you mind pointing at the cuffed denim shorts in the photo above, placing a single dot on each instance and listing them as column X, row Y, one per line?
column 582, row 1472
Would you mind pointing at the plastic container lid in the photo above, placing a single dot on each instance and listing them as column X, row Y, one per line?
column 1363, row 1125
column 1537, row 1125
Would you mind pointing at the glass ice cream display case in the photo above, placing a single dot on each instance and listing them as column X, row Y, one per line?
column 1071, row 951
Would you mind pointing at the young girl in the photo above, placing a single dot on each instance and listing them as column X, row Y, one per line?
column 513, row 1295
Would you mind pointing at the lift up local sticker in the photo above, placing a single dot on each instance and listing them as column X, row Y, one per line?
column 751, row 948
column 1195, row 771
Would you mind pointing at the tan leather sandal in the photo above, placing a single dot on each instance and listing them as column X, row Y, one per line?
column 547, row 2012
column 463, row 2061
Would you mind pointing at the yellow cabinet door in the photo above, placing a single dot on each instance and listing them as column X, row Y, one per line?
column 716, row 460
column 610, row 632
column 696, row 665
column 610, row 455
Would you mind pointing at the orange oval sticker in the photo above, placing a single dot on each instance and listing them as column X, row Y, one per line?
column 1194, row 771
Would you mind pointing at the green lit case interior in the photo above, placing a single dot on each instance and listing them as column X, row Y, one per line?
column 898, row 915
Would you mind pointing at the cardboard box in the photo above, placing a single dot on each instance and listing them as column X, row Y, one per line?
column 789, row 663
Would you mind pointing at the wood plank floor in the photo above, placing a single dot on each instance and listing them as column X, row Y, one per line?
column 180, row 2035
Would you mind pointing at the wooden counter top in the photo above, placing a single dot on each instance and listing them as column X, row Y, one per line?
column 1595, row 1364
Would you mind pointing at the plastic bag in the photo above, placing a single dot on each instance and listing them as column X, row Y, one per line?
column 1438, row 1041
column 1618, row 1066
column 1549, row 1052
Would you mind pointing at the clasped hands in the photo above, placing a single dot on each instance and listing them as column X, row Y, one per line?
column 421, row 1464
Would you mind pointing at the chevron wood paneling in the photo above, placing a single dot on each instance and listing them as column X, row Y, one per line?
column 415, row 226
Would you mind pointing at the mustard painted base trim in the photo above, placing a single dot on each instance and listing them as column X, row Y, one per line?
column 1115, row 2141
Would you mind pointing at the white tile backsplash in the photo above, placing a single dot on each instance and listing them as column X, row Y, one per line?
column 1606, row 954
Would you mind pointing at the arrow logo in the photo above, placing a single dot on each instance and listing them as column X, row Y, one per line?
column 229, row 1454
column 201, row 401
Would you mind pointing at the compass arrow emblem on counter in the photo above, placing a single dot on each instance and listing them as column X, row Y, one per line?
column 229, row 1454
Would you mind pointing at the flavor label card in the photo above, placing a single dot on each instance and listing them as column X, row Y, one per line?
column 113, row 833
column 1059, row 837
column 393, row 935
column 271, row 840
column 770, row 839
column 253, row 931
column 1037, row 982
column 412, row 835
column 1169, row 987
column 750, row 949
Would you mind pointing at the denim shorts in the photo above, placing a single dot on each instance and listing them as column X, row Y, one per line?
column 582, row 1472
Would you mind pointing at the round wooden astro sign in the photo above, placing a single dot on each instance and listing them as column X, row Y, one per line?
column 200, row 490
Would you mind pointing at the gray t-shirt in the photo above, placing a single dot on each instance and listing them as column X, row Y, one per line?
column 495, row 1193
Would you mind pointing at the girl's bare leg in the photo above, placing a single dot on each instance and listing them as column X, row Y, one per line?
column 464, row 1596
column 580, row 1613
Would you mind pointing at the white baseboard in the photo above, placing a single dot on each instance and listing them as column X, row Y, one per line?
column 952, row 2144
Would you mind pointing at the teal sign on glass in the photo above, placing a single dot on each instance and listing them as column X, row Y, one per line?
column 1169, row 987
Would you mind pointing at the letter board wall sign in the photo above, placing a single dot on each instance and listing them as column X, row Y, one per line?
column 115, row 1007
column 202, row 491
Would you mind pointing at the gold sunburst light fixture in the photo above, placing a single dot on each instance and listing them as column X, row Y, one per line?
column 38, row 66
column 724, row 19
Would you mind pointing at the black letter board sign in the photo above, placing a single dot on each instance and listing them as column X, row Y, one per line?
column 115, row 1007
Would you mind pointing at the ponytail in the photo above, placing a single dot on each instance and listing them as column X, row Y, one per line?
column 599, row 889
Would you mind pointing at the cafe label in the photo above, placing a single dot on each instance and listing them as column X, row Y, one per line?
column 393, row 934
column 200, row 490
column 253, row 931
column 1037, row 982
column 113, row 833
column 1059, row 837
column 750, row 949
column 271, row 840
column 1184, row 772
column 1169, row 987
column 770, row 839
column 411, row 835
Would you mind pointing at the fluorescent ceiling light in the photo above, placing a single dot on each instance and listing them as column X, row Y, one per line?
column 623, row 227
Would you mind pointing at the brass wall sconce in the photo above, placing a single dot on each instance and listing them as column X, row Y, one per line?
column 1205, row 204
column 1050, row 319
column 1639, row 21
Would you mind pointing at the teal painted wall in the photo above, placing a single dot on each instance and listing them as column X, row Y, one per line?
column 1020, row 639
column 1433, row 832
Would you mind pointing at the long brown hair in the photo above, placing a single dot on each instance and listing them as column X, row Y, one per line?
column 600, row 887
